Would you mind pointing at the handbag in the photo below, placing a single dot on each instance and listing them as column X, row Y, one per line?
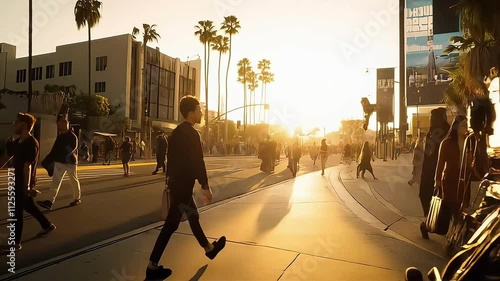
column 438, row 219
column 165, row 202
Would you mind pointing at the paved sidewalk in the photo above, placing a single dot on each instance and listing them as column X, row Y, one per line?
column 391, row 200
column 296, row 230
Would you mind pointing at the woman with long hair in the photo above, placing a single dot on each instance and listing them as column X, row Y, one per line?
column 437, row 132
column 323, row 152
column 447, row 178
column 365, row 158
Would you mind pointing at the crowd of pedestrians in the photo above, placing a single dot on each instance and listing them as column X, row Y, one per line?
column 440, row 168
column 185, row 166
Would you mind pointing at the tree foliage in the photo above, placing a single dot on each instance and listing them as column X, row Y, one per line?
column 52, row 89
column 458, row 95
column 480, row 28
column 92, row 106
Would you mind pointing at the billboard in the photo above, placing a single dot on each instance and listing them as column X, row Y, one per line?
column 429, row 26
column 385, row 95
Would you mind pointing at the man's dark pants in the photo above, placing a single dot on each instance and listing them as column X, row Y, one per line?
column 25, row 202
column 182, row 201
column 160, row 161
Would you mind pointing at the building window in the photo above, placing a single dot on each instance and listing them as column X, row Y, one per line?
column 65, row 68
column 167, row 95
column 101, row 63
column 49, row 71
column 36, row 73
column 100, row 87
column 21, row 76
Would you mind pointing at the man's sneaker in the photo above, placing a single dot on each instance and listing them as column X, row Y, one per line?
column 154, row 173
column 160, row 273
column 46, row 231
column 7, row 249
column 45, row 204
column 218, row 246
column 75, row 202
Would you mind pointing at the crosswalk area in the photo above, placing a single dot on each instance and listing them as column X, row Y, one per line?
column 44, row 179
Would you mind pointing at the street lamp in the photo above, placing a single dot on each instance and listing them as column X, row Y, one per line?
column 419, row 100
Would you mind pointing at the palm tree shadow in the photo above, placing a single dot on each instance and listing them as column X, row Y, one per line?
column 199, row 273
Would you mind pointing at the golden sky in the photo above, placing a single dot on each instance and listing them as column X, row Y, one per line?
column 319, row 49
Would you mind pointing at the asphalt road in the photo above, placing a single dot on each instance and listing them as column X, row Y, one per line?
column 113, row 204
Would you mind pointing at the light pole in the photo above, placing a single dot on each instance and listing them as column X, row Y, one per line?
column 382, row 137
column 419, row 100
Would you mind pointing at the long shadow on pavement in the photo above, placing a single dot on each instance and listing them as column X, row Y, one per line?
column 199, row 273
column 278, row 207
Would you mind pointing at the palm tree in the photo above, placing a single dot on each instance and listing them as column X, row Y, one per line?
column 480, row 29
column 264, row 66
column 220, row 44
column 253, row 84
column 457, row 94
column 30, row 54
column 268, row 78
column 87, row 13
column 244, row 67
column 231, row 26
column 149, row 34
column 206, row 33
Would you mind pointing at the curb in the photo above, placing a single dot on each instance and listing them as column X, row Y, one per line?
column 363, row 213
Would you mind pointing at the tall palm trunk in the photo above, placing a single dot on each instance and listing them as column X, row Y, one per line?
column 90, row 61
column 245, row 104
column 87, row 117
column 250, row 108
column 206, row 98
column 145, row 107
column 218, row 97
column 261, row 102
column 218, row 86
column 265, row 100
column 253, row 107
column 227, row 75
column 30, row 55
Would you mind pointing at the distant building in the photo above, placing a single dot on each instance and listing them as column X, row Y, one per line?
column 116, row 73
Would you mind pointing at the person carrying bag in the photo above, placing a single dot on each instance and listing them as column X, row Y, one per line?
column 438, row 219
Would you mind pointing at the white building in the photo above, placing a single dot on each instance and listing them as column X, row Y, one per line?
column 116, row 65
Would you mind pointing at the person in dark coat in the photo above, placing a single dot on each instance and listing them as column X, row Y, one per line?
column 134, row 149
column 272, row 154
column 264, row 154
column 439, row 127
column 109, row 147
column 126, row 149
column 95, row 151
column 294, row 155
column 161, row 152
column 185, row 165
column 365, row 161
